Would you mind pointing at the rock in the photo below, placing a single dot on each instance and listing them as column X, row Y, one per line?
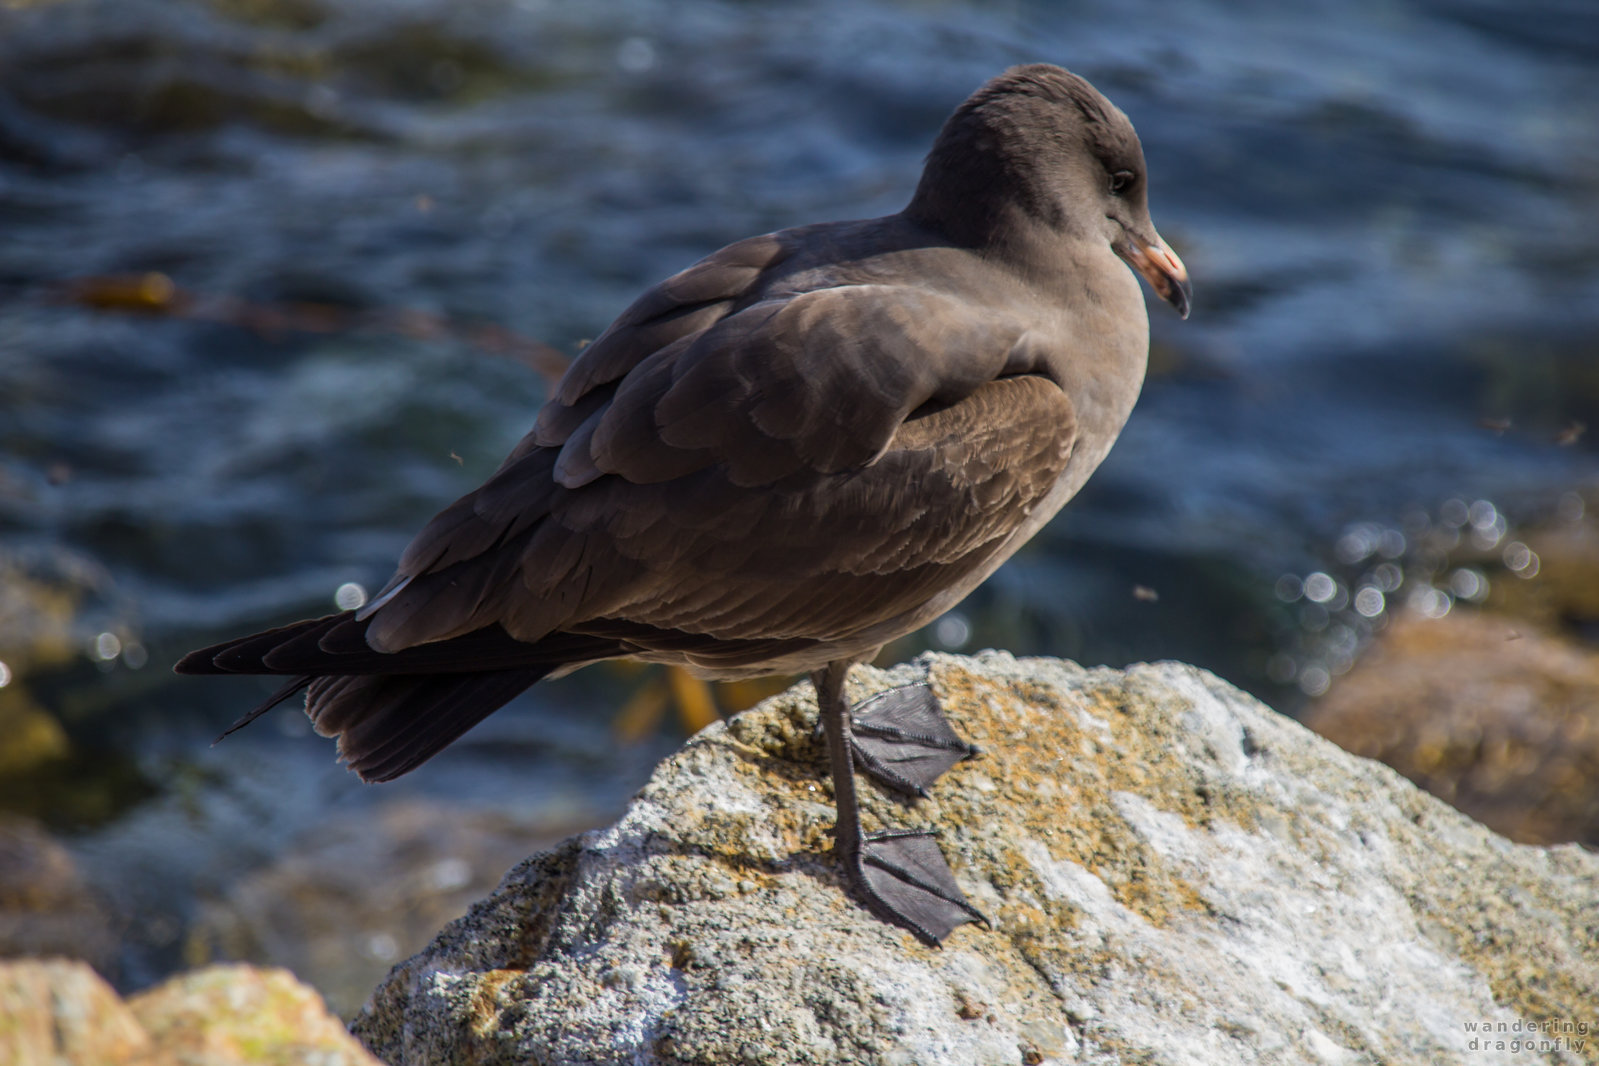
column 1493, row 715
column 222, row 1015
column 55, row 1012
column 1174, row 873
column 46, row 908
column 59, row 1013
column 366, row 889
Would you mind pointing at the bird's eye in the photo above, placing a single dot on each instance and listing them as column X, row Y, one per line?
column 1121, row 181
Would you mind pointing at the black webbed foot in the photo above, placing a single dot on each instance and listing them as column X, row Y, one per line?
column 905, row 880
column 902, row 740
column 906, row 743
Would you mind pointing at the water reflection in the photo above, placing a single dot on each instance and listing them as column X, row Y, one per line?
column 953, row 631
column 1428, row 567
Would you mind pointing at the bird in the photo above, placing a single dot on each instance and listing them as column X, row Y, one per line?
column 803, row 446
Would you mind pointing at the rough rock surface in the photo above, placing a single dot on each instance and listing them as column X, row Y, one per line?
column 55, row 1012
column 1175, row 874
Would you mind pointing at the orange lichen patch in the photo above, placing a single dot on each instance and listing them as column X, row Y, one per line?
column 490, row 997
column 1061, row 773
column 1156, row 894
column 1053, row 766
column 1483, row 918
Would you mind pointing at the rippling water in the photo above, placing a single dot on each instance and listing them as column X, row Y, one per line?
column 1388, row 210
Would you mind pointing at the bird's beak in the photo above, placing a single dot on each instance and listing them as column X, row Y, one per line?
column 1160, row 267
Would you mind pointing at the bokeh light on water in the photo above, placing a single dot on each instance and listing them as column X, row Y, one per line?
column 1334, row 616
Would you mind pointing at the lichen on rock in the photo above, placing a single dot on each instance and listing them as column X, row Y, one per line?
column 1174, row 873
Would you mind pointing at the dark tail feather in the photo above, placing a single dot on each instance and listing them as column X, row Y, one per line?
column 336, row 645
column 243, row 655
column 392, row 711
column 271, row 701
column 391, row 725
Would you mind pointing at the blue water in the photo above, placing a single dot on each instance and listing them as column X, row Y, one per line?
column 1388, row 210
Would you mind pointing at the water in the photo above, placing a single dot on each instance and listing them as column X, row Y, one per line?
column 1388, row 210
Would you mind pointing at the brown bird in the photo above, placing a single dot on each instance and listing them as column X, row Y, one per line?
column 777, row 461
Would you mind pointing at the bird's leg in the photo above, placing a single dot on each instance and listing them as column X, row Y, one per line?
column 901, row 875
column 901, row 739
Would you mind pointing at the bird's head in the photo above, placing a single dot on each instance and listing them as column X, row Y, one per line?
column 1037, row 147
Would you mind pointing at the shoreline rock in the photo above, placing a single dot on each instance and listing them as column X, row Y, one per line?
column 59, row 1012
column 1493, row 715
column 1174, row 872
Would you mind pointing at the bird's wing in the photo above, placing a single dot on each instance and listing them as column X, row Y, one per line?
column 712, row 451
column 684, row 305
column 822, row 557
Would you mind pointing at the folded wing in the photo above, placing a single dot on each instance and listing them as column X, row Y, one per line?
column 681, row 472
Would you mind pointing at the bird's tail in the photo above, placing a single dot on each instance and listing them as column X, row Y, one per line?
column 392, row 711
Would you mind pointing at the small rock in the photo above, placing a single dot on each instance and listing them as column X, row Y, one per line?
column 55, row 1012
column 221, row 1015
column 59, row 1013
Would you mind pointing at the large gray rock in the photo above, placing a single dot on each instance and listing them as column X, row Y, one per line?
column 1175, row 874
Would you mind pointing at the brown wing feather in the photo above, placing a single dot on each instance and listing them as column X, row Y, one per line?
column 818, row 381
column 684, row 304
column 938, row 505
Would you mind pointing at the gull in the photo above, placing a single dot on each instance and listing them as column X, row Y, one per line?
column 778, row 460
